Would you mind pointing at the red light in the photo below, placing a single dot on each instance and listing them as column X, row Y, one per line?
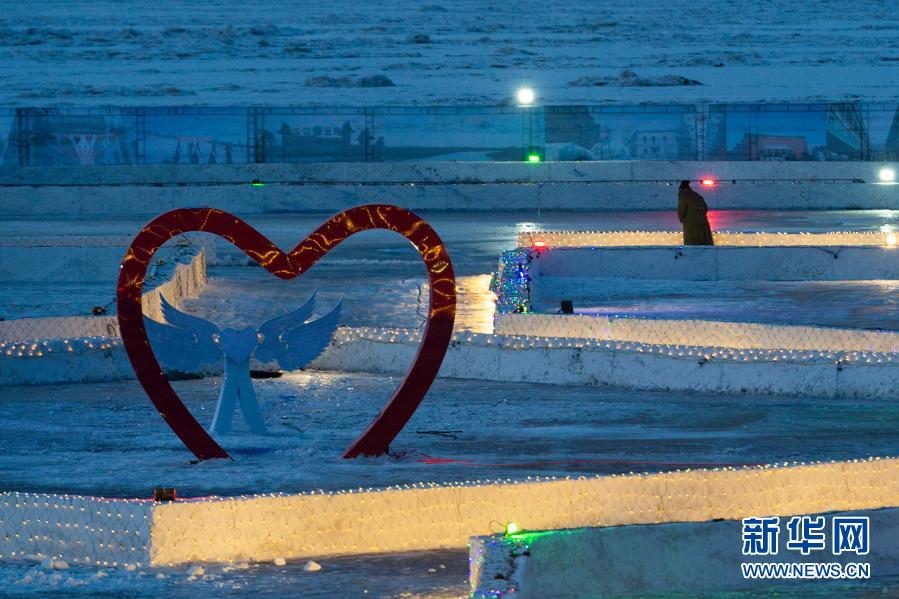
column 708, row 182
column 540, row 244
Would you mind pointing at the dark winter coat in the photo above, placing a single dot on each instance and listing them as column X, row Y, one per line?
column 691, row 212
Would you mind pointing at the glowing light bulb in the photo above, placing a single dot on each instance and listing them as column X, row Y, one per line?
column 512, row 528
column 891, row 239
column 708, row 182
column 525, row 96
column 887, row 175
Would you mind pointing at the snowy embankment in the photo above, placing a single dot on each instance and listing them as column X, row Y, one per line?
column 117, row 532
column 476, row 186
column 686, row 558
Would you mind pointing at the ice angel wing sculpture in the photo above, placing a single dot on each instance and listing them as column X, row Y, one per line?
column 292, row 342
column 272, row 329
column 184, row 342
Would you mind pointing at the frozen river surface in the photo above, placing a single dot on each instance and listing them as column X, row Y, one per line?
column 274, row 52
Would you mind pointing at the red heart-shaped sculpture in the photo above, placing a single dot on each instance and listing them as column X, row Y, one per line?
column 437, row 333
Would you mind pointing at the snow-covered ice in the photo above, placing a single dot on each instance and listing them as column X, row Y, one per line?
column 461, row 52
column 107, row 439
column 379, row 274
column 403, row 575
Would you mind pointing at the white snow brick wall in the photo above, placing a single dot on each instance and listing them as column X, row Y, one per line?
column 722, row 238
column 58, row 327
column 80, row 530
column 425, row 516
column 684, row 559
column 580, row 361
column 708, row 333
column 716, row 263
column 96, row 352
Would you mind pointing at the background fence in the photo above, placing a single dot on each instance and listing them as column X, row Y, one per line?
column 210, row 135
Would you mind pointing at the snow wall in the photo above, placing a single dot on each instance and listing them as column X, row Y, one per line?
column 715, row 263
column 637, row 560
column 424, row 516
column 540, row 359
column 555, row 239
column 708, row 333
column 37, row 351
column 627, row 365
column 626, row 185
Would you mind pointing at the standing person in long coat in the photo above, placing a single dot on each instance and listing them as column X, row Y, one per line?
column 692, row 212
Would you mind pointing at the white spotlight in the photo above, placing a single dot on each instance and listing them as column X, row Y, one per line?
column 525, row 96
column 887, row 175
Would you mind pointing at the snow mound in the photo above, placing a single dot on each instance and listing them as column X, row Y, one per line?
column 628, row 78
column 326, row 81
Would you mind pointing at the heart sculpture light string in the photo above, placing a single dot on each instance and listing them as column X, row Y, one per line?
column 376, row 439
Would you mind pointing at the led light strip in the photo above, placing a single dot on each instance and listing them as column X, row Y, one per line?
column 522, row 342
column 420, row 516
column 38, row 348
column 722, row 238
column 56, row 347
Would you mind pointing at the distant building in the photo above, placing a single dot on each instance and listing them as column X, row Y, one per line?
column 576, row 127
column 312, row 142
column 891, row 147
column 654, row 145
column 773, row 147
column 847, row 135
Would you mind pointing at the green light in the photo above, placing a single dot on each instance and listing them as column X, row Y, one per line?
column 512, row 528
column 533, row 157
column 257, row 183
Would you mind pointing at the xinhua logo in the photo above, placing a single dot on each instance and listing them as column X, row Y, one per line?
column 806, row 535
column 850, row 535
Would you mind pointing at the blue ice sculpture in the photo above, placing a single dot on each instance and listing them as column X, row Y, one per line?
column 186, row 342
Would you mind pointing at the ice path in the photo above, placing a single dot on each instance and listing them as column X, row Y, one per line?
column 106, row 438
column 379, row 277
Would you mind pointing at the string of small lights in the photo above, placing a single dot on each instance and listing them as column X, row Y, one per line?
column 563, row 238
column 56, row 347
column 689, row 352
column 118, row 532
column 689, row 332
column 511, row 283
column 38, row 348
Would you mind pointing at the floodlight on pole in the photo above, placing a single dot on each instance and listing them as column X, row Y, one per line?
column 525, row 96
